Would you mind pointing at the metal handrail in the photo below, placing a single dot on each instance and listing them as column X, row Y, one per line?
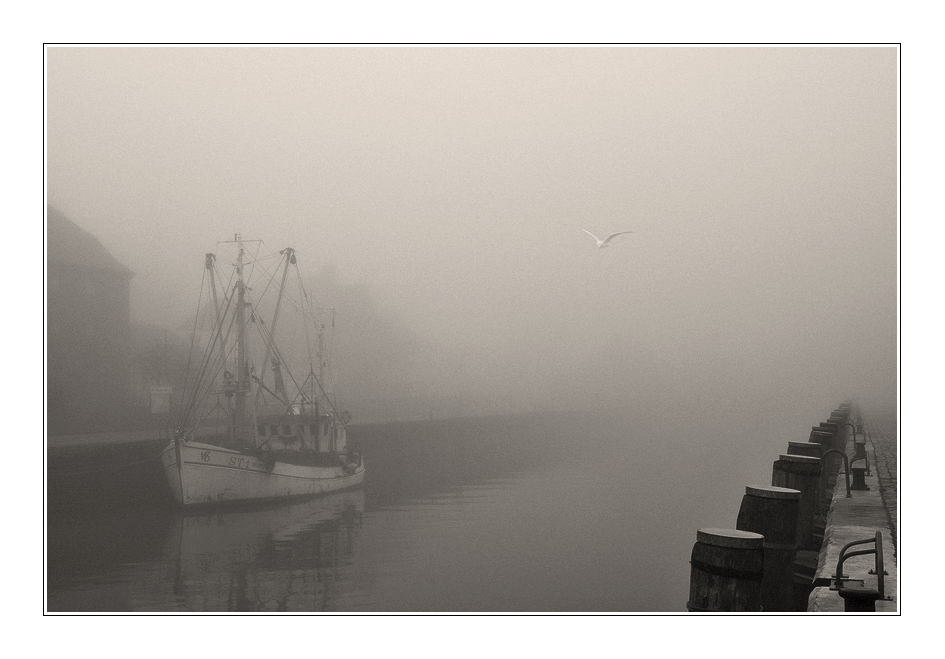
column 850, row 423
column 865, row 458
column 879, row 567
column 846, row 468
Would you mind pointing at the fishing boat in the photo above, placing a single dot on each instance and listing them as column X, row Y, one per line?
column 259, row 420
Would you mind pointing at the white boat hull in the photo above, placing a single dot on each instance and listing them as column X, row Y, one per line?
column 203, row 473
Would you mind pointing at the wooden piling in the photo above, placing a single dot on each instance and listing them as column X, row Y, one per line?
column 810, row 449
column 727, row 568
column 772, row 513
column 821, row 436
column 802, row 473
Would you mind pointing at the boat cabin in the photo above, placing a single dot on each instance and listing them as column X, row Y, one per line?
column 294, row 431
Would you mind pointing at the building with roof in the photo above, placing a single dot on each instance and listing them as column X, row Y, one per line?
column 88, row 331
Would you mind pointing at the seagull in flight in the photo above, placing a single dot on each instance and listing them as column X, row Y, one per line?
column 601, row 244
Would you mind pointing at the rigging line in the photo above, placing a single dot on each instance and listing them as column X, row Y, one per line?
column 272, row 276
column 254, row 260
column 252, row 263
column 217, row 337
column 299, row 305
column 331, row 349
column 267, row 332
column 289, row 404
column 211, row 411
column 255, row 308
column 266, row 276
column 250, row 318
column 271, row 392
column 278, row 355
column 321, row 388
column 216, row 325
column 193, row 335
column 203, row 384
column 262, row 259
column 229, row 283
column 322, row 358
column 264, row 330
column 309, row 312
column 331, row 404
column 267, row 336
column 251, row 278
column 216, row 268
column 305, row 297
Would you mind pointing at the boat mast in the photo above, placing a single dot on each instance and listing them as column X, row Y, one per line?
column 242, row 369
column 321, row 362
column 218, row 323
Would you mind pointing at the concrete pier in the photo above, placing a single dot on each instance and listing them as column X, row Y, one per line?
column 859, row 517
column 856, row 522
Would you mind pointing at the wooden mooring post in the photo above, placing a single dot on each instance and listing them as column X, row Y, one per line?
column 727, row 567
column 772, row 513
column 802, row 473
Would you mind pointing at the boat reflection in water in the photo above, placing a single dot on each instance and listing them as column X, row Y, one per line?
column 279, row 558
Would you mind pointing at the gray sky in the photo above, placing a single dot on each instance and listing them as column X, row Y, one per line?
column 453, row 183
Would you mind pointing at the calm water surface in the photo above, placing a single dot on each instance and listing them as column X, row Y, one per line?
column 555, row 513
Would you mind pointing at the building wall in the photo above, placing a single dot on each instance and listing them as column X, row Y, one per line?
column 88, row 333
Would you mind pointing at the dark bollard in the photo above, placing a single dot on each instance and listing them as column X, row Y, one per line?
column 859, row 599
column 834, row 430
column 809, row 449
column 859, row 453
column 859, row 478
column 822, row 437
column 726, row 573
column 802, row 473
column 825, row 442
column 772, row 513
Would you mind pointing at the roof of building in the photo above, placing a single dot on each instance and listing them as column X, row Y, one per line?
column 67, row 242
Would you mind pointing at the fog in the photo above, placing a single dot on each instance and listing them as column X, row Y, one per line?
column 446, row 189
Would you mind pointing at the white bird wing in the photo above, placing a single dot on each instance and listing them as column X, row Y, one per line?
column 614, row 235
column 591, row 235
